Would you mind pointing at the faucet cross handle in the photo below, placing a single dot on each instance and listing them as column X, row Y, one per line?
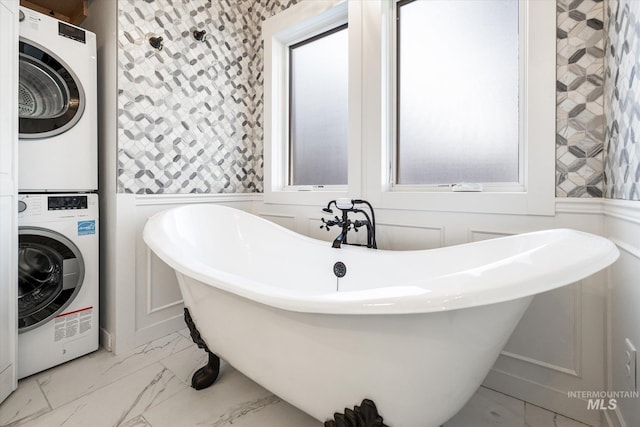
column 329, row 223
column 359, row 223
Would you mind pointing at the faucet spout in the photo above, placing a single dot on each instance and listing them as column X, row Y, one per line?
column 338, row 241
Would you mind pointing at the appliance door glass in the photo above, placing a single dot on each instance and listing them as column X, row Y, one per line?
column 50, row 97
column 50, row 274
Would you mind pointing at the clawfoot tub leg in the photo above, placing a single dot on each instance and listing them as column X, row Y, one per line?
column 365, row 415
column 208, row 374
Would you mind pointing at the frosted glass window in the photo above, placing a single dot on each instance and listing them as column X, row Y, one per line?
column 318, row 110
column 457, row 92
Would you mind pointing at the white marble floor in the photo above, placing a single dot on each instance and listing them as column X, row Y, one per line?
column 150, row 387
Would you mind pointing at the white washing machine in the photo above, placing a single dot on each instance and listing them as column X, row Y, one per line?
column 58, row 148
column 57, row 279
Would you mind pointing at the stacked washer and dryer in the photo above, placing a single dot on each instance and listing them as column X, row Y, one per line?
column 58, row 200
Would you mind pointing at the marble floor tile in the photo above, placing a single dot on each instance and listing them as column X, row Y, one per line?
column 150, row 387
column 488, row 408
column 98, row 369
column 227, row 403
column 266, row 411
column 119, row 403
column 27, row 402
column 185, row 333
column 184, row 363
column 535, row 416
column 138, row 421
column 279, row 414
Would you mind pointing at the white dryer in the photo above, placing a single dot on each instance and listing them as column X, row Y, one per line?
column 57, row 279
column 57, row 106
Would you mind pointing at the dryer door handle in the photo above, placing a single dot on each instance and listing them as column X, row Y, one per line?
column 71, row 276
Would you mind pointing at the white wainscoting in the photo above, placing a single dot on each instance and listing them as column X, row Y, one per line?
column 148, row 303
column 559, row 346
column 622, row 220
column 287, row 221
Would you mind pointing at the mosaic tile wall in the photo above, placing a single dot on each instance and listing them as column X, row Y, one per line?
column 580, row 122
column 622, row 97
column 191, row 115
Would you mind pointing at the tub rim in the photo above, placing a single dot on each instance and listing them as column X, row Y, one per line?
column 444, row 292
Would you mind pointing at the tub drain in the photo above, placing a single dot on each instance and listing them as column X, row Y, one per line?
column 339, row 269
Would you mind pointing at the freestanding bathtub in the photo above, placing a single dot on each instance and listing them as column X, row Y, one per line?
column 414, row 331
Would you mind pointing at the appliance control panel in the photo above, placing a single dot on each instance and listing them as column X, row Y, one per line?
column 56, row 203
column 56, row 206
column 71, row 32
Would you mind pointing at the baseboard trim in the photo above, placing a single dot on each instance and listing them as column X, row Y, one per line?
column 105, row 340
column 613, row 418
column 544, row 396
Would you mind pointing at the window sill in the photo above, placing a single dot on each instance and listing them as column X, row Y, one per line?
column 305, row 195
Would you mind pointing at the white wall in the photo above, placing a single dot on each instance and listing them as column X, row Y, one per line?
column 101, row 19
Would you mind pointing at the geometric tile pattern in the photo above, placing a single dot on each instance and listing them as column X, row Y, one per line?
column 580, row 122
column 187, row 114
column 622, row 93
column 190, row 117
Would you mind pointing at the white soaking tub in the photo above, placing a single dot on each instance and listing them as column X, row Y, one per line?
column 414, row 331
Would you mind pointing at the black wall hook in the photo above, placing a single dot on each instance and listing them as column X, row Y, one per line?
column 200, row 35
column 156, row 42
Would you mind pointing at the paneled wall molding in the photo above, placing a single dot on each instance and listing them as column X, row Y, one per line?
column 622, row 224
column 627, row 210
column 433, row 236
column 580, row 205
column 630, row 249
column 561, row 369
column 476, row 235
column 285, row 220
column 175, row 199
column 151, row 307
column 576, row 318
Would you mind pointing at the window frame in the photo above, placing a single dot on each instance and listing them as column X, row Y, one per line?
column 537, row 195
column 295, row 24
column 290, row 48
column 395, row 117
column 371, row 113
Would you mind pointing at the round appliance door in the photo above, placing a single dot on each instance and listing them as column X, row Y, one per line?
column 50, row 274
column 50, row 97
